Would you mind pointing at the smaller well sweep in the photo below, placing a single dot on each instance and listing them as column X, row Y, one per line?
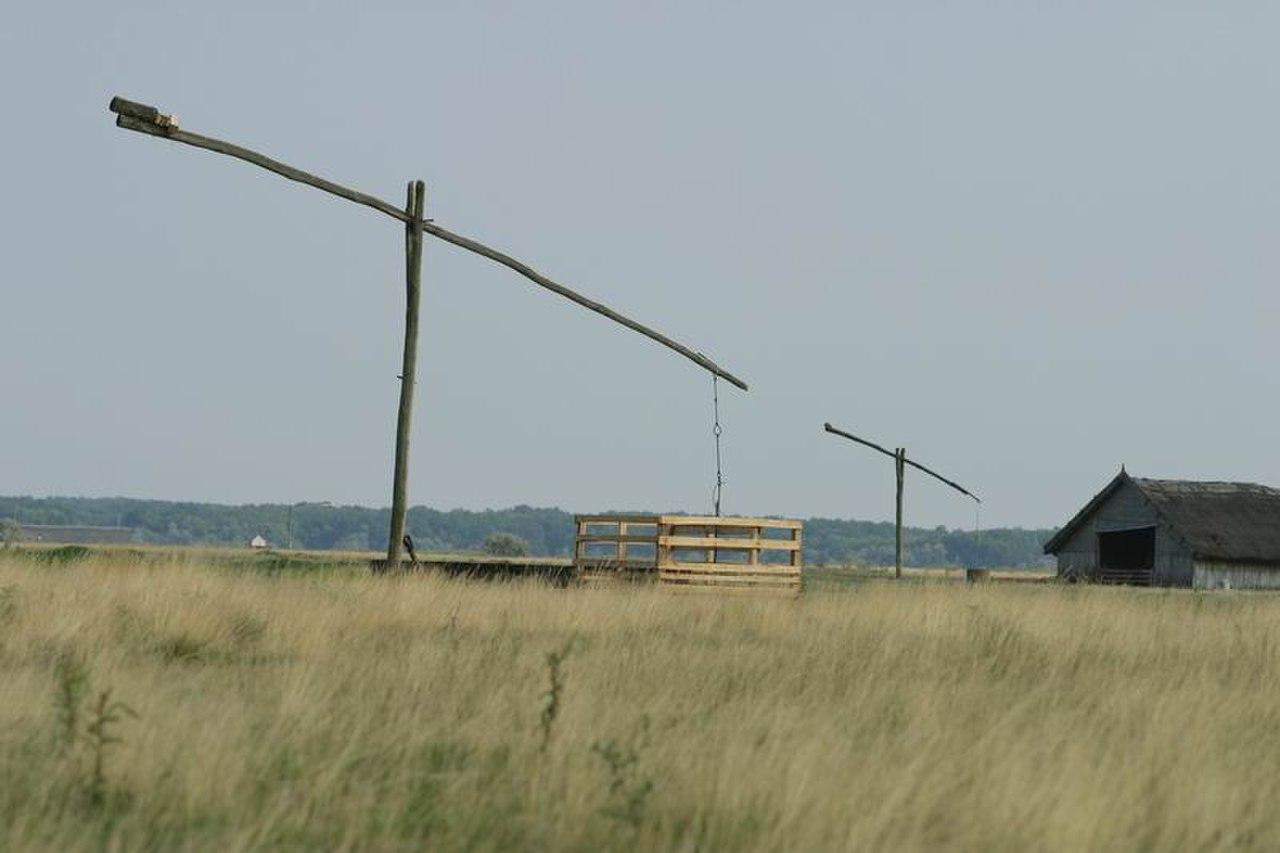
column 686, row 553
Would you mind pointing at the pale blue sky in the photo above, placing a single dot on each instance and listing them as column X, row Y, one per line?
column 1029, row 245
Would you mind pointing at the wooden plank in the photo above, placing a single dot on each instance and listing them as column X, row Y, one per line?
column 693, row 566
column 728, row 534
column 618, row 579
column 661, row 552
column 790, row 590
column 729, row 583
column 728, row 544
column 713, row 569
column 729, row 521
column 786, row 580
column 617, row 570
column 615, row 537
column 611, row 557
column 617, row 519
column 757, row 592
column 611, row 566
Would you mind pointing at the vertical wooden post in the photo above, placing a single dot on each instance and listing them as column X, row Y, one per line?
column 659, row 550
column 413, row 285
column 578, row 543
column 899, row 465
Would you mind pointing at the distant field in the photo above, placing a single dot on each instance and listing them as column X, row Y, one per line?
column 331, row 709
column 819, row 578
column 302, row 559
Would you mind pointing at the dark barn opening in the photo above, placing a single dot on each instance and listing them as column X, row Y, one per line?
column 1127, row 556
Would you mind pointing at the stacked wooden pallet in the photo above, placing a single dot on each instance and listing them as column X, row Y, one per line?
column 611, row 548
column 692, row 553
column 730, row 554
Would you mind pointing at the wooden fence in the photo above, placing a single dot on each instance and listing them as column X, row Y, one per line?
column 691, row 553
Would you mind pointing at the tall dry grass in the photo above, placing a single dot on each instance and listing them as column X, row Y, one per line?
column 346, row 712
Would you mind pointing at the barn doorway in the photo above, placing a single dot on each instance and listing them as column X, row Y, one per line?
column 1127, row 556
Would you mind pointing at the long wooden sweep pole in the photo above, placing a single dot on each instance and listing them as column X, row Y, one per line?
column 148, row 120
column 143, row 118
column 900, row 463
column 914, row 464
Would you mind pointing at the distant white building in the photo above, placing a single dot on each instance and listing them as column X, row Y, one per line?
column 257, row 542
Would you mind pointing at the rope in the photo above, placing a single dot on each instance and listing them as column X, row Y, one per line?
column 717, row 430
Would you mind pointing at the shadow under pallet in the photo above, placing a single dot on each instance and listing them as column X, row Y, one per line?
column 559, row 572
column 682, row 553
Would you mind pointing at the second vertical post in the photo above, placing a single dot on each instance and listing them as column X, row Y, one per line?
column 415, row 202
column 900, row 467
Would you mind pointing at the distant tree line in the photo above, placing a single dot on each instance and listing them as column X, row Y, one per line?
column 542, row 531
column 842, row 541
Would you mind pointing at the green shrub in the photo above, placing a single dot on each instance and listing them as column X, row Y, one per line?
column 60, row 556
column 505, row 545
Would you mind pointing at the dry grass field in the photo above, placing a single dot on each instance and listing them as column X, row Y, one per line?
column 332, row 710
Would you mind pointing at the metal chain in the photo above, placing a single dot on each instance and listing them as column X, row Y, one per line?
column 717, row 430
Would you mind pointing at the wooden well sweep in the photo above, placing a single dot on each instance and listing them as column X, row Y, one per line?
column 691, row 552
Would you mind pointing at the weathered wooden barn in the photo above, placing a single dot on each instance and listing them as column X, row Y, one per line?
column 1204, row 535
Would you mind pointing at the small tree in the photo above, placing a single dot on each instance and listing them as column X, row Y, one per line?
column 505, row 545
column 10, row 533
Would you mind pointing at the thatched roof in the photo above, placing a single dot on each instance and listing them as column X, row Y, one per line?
column 1237, row 522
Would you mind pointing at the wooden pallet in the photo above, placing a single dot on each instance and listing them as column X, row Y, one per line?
column 605, row 548
column 692, row 553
